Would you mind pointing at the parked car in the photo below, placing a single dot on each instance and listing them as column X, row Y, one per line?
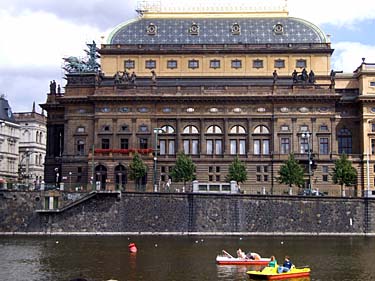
column 310, row 192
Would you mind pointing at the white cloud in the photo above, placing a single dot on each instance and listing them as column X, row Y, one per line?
column 41, row 39
column 348, row 55
column 36, row 34
column 33, row 43
column 336, row 12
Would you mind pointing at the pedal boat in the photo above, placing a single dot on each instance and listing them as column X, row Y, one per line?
column 270, row 273
column 227, row 259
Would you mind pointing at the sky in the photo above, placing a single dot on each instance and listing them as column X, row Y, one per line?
column 36, row 34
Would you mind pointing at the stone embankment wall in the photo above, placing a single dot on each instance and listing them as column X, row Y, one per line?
column 184, row 213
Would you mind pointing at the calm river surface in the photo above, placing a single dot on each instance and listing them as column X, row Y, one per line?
column 161, row 258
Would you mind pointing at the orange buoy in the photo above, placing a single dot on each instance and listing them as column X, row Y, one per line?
column 132, row 248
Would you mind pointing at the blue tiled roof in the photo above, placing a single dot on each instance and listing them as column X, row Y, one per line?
column 5, row 111
column 218, row 31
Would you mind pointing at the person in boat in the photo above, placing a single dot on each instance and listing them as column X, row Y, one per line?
column 253, row 256
column 273, row 262
column 287, row 265
column 241, row 254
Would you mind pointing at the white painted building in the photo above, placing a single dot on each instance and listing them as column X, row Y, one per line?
column 32, row 147
column 9, row 144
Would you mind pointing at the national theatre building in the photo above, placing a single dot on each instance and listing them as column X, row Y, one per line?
column 215, row 85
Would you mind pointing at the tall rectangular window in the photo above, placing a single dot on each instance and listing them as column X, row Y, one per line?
column 372, row 146
column 195, row 147
column 209, row 146
column 285, row 145
column 162, row 148
column 266, row 147
column 323, row 146
column 304, row 145
column 80, row 147
column 233, row 147
column 171, row 147
column 143, row 143
column 242, row 147
column 187, row 147
column 124, row 143
column 257, row 147
column 105, row 143
column 218, row 147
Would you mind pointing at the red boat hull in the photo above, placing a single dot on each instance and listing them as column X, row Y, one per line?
column 249, row 262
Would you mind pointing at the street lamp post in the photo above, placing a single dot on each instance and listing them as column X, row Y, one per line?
column 156, row 132
column 27, row 171
column 70, row 180
column 307, row 136
column 57, row 176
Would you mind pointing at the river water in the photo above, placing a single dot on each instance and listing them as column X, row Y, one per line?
column 175, row 258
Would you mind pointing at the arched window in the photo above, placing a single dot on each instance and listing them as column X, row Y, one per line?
column 261, row 129
column 120, row 177
column 41, row 137
column 191, row 140
column 167, row 129
column 40, row 159
column 190, row 129
column 214, row 144
column 238, row 130
column 101, row 176
column 237, row 143
column 37, row 137
column 167, row 142
column 214, row 130
column 345, row 141
column 261, row 140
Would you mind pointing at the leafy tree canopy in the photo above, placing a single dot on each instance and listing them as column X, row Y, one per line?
column 137, row 168
column 291, row 172
column 237, row 171
column 343, row 172
column 184, row 168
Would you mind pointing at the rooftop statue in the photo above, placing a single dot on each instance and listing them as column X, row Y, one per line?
column 88, row 65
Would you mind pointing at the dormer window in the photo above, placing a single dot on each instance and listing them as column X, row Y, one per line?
column 194, row 29
column 236, row 29
column 278, row 29
column 152, row 29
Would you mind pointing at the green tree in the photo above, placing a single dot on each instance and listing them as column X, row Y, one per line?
column 184, row 169
column 344, row 173
column 237, row 171
column 291, row 172
column 137, row 170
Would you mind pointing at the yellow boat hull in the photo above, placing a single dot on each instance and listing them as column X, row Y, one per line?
column 270, row 273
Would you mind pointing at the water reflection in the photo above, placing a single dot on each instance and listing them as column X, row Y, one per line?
column 177, row 258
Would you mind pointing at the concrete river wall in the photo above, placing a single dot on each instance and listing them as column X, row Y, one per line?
column 185, row 213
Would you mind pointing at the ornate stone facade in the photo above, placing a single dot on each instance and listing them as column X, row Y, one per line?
column 210, row 84
column 32, row 147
